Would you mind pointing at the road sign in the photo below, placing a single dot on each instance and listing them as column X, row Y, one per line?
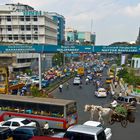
column 43, row 48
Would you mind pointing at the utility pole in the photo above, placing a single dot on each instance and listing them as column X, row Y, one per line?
column 40, row 71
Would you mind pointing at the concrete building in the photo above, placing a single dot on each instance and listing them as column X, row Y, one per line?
column 80, row 37
column 60, row 20
column 21, row 23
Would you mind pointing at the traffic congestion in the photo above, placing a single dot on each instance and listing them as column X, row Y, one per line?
column 84, row 105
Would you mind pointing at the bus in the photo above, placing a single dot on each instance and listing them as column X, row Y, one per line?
column 59, row 113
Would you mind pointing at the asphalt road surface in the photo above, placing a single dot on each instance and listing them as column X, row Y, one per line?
column 86, row 96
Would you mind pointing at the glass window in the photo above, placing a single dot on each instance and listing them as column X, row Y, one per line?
column 9, row 27
column 27, row 18
column 22, row 27
column 23, row 37
column 15, row 37
column 35, row 28
column 8, row 18
column 35, row 18
column 10, row 37
column 21, row 18
column 25, row 122
column 28, row 37
column 35, row 37
column 28, row 27
column 7, row 123
column 71, row 108
column 126, row 100
column 15, row 124
column 101, row 136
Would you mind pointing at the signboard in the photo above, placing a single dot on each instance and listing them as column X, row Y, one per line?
column 117, row 49
column 43, row 48
column 32, row 13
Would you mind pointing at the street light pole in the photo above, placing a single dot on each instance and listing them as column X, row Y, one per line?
column 40, row 73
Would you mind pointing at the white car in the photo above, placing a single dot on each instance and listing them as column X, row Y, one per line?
column 107, row 131
column 17, row 122
column 77, row 81
column 101, row 92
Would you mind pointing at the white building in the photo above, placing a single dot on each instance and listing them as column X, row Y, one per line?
column 22, row 24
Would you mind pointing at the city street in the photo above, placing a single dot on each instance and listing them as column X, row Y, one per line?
column 86, row 96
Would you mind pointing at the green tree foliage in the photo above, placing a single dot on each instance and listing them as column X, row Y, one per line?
column 58, row 59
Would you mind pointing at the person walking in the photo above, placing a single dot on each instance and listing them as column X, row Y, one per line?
column 60, row 87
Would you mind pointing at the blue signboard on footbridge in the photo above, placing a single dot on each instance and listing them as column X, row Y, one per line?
column 41, row 48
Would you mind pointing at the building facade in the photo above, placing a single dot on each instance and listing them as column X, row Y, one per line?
column 60, row 20
column 21, row 23
column 79, row 37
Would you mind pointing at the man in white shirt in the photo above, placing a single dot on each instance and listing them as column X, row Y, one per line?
column 60, row 87
column 114, row 103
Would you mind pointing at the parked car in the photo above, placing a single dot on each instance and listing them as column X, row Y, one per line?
column 76, row 81
column 127, row 99
column 107, row 131
column 101, row 92
column 85, row 132
column 26, row 132
column 16, row 122
column 5, row 133
column 44, row 83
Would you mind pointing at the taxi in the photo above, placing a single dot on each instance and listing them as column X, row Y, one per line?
column 108, row 80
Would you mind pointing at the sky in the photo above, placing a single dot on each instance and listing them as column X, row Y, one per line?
column 111, row 20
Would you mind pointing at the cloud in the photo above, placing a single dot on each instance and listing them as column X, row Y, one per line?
column 132, row 11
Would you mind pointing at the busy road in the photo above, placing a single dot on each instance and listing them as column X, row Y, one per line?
column 85, row 95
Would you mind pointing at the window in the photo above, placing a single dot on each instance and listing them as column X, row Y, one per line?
column 7, row 123
column 126, row 100
column 8, row 18
column 23, row 37
column 35, row 18
column 22, row 27
column 15, row 124
column 27, row 18
column 21, row 18
column 35, row 28
column 25, row 122
column 10, row 37
column 35, row 37
column 28, row 27
column 9, row 28
column 101, row 136
column 15, row 37
column 28, row 37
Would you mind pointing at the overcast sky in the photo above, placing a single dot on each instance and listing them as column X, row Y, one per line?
column 111, row 20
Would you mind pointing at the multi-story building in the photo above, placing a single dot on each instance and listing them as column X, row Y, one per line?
column 23, row 24
column 60, row 27
column 79, row 37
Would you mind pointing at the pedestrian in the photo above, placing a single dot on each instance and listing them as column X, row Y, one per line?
column 116, row 83
column 120, row 94
column 60, row 87
column 87, row 81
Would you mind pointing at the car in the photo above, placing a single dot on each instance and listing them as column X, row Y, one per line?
column 45, row 83
column 107, row 131
column 76, row 81
column 101, row 92
column 16, row 122
column 127, row 99
column 6, row 133
column 108, row 80
column 85, row 132
column 26, row 132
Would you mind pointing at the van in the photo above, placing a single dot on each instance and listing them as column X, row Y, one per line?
column 5, row 133
column 85, row 132
column 128, row 100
